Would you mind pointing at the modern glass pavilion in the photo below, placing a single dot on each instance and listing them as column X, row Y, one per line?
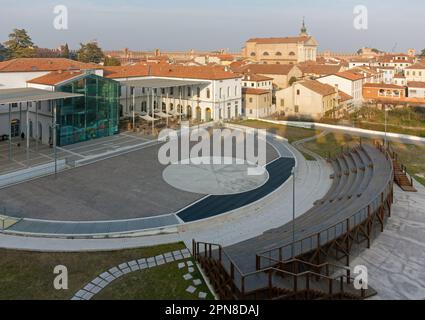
column 94, row 114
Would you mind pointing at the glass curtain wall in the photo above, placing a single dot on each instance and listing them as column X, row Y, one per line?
column 95, row 115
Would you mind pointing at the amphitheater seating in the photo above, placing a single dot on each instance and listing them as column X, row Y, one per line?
column 360, row 176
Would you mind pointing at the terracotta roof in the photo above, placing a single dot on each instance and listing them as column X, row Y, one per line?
column 171, row 71
column 318, row 87
column 255, row 77
column 279, row 40
column 55, row 78
column 350, row 75
column 281, row 69
column 419, row 65
column 382, row 85
column 344, row 97
column 255, row 91
column 416, row 84
column 44, row 64
column 399, row 76
column 319, row 69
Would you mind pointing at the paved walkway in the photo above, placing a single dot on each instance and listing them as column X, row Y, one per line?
column 396, row 260
column 312, row 184
column 107, row 278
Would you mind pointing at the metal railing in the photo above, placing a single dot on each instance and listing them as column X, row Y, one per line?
column 291, row 282
column 336, row 231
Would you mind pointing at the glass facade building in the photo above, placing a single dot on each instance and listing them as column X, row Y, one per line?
column 94, row 115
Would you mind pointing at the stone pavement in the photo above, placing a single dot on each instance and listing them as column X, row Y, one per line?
column 312, row 183
column 396, row 260
column 108, row 277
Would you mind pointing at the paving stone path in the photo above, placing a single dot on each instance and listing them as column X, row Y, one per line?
column 108, row 277
column 193, row 283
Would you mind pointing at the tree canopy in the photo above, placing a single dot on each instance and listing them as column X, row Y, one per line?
column 90, row 53
column 65, row 52
column 111, row 62
column 20, row 44
column 4, row 54
column 422, row 54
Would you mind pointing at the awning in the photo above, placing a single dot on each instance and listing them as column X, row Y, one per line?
column 18, row 95
column 163, row 115
column 174, row 113
column 159, row 83
column 148, row 118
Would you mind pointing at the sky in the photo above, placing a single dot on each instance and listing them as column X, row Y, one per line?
column 220, row 24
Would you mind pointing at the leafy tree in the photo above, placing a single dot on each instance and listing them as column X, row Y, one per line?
column 65, row 52
column 111, row 62
column 20, row 44
column 422, row 54
column 292, row 80
column 90, row 53
column 4, row 54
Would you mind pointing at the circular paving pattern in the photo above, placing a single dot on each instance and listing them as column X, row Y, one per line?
column 215, row 176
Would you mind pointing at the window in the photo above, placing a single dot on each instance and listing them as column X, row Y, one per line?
column 278, row 53
column 253, row 54
column 282, row 102
column 266, row 54
column 208, row 93
column 189, row 91
column 292, row 53
column 172, row 90
column 298, row 92
column 228, row 91
column 297, row 109
column 163, row 91
column 250, row 100
column 14, row 105
column 198, row 92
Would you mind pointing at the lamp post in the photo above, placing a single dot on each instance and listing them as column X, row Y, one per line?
column 293, row 212
column 385, row 112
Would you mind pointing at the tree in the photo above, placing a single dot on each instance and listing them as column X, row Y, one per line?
column 65, row 52
column 90, row 53
column 422, row 54
column 292, row 80
column 111, row 62
column 4, row 54
column 20, row 44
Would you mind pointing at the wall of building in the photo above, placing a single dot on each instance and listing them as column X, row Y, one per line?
column 258, row 105
column 223, row 94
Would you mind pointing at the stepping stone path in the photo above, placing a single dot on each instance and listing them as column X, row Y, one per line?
column 196, row 283
column 106, row 278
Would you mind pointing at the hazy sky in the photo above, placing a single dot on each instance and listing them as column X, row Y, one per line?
column 205, row 25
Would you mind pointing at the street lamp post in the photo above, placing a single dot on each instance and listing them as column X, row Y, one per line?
column 293, row 213
column 386, row 139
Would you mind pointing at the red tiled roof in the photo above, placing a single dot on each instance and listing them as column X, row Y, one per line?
column 55, row 78
column 419, row 65
column 171, row 71
column 255, row 77
column 344, row 97
column 281, row 69
column 44, row 64
column 416, row 84
column 318, row 87
column 255, row 91
column 319, row 69
column 382, row 85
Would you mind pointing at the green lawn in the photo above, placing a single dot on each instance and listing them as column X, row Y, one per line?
column 413, row 157
column 164, row 282
column 331, row 144
column 29, row 275
column 291, row 133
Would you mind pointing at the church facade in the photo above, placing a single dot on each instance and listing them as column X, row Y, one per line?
column 289, row 50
